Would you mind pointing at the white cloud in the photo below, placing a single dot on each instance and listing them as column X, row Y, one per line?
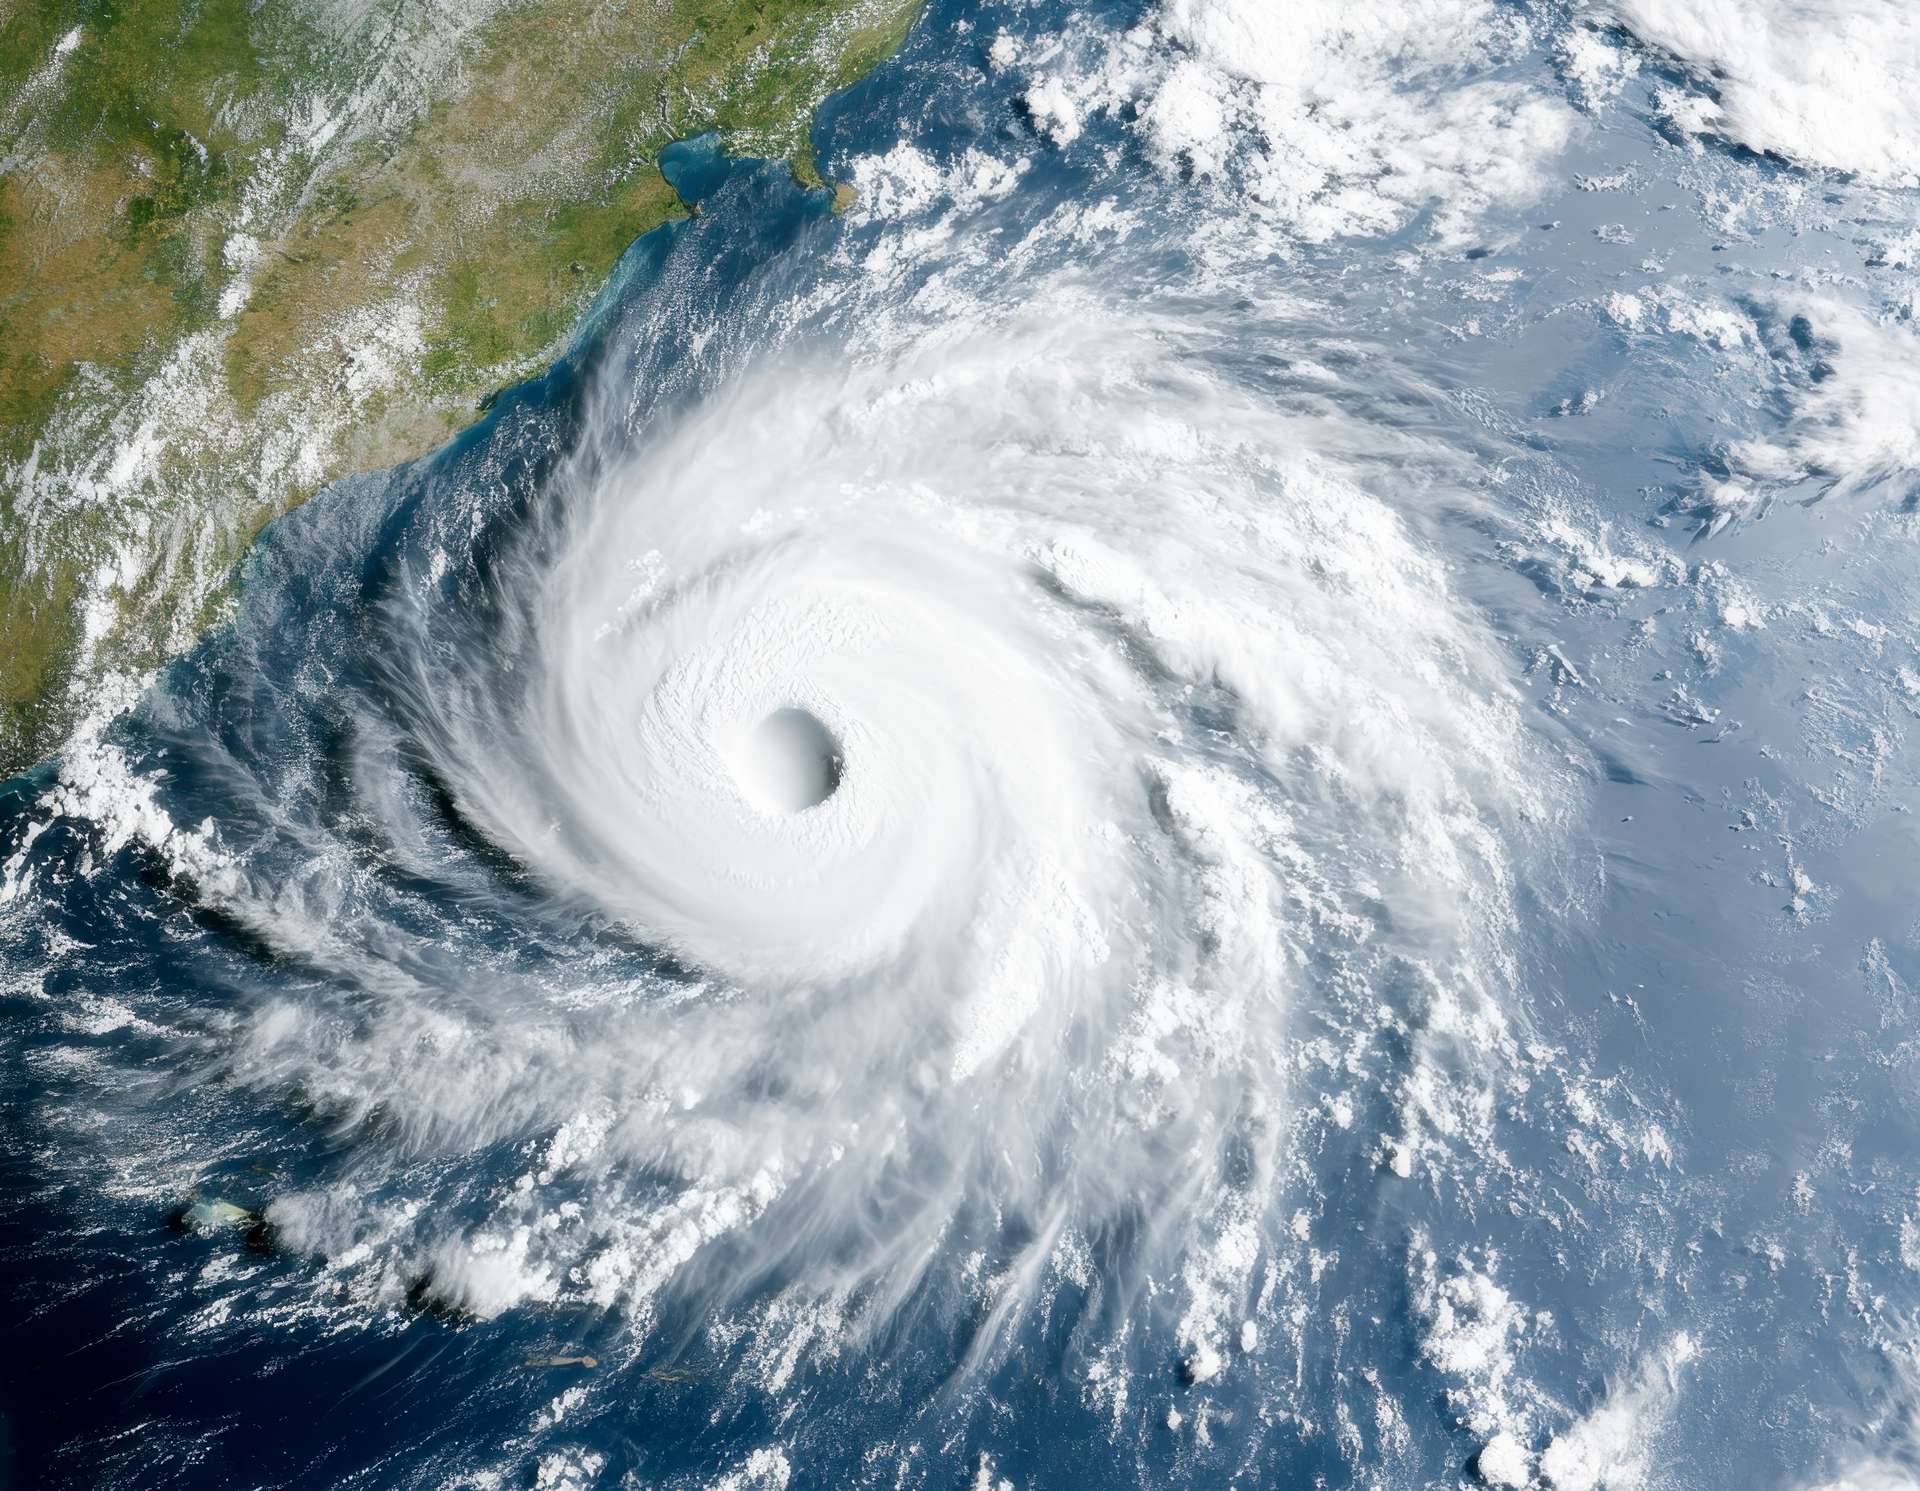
column 1832, row 83
column 1332, row 119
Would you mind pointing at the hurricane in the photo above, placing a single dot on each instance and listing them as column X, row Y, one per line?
column 1196, row 794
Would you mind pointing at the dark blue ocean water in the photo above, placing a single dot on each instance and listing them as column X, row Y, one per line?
column 1688, row 1163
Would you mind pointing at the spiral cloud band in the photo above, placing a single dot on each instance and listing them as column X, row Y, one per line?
column 1202, row 788
column 981, row 740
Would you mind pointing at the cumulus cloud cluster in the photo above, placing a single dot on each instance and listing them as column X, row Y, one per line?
column 1832, row 83
column 1331, row 119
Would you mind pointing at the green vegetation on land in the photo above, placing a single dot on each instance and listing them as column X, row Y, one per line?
column 247, row 248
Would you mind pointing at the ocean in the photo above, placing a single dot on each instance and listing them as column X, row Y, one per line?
column 1213, row 795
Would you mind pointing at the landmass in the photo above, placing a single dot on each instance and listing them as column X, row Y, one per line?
column 247, row 249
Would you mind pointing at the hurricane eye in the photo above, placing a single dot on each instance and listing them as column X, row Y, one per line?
column 791, row 762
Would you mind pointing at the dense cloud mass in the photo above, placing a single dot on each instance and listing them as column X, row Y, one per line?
column 1207, row 791
column 1825, row 83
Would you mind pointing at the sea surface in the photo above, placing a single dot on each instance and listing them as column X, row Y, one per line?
column 1217, row 794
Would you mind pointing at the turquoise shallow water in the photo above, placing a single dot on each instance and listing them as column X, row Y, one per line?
column 1345, row 904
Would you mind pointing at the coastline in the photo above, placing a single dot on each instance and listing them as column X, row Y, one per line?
column 340, row 287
